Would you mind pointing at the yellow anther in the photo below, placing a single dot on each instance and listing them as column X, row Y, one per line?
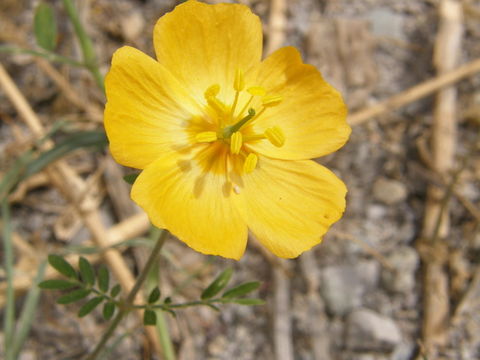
column 206, row 136
column 275, row 136
column 250, row 163
column 212, row 91
column 236, row 141
column 239, row 82
column 257, row 91
column 271, row 100
column 217, row 105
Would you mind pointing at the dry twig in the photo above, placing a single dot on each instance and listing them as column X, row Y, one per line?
column 436, row 221
column 70, row 184
column 415, row 93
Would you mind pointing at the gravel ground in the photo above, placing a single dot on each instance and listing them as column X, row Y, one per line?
column 358, row 296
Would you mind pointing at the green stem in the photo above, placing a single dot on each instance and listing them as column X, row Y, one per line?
column 9, row 319
column 130, row 297
column 88, row 52
column 164, row 335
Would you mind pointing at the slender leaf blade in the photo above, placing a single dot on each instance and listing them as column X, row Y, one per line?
column 73, row 296
column 89, row 306
column 248, row 301
column 75, row 141
column 103, row 279
column 218, row 284
column 57, row 284
column 108, row 310
column 241, row 290
column 62, row 266
column 115, row 290
column 86, row 271
column 45, row 27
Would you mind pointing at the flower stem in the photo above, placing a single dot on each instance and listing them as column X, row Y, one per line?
column 127, row 306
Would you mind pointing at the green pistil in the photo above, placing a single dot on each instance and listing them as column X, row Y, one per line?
column 229, row 130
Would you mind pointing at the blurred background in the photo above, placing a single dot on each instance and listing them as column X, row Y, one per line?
column 397, row 277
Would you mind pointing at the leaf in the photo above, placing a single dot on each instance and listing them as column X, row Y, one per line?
column 57, row 285
column 130, row 178
column 45, row 27
column 241, row 290
column 73, row 296
column 103, row 279
column 115, row 290
column 217, row 285
column 154, row 295
column 90, row 305
column 78, row 140
column 86, row 271
column 168, row 300
column 149, row 317
column 248, row 301
column 108, row 310
column 62, row 266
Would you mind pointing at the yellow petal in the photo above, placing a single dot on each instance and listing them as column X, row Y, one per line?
column 193, row 201
column 145, row 109
column 311, row 114
column 291, row 204
column 205, row 44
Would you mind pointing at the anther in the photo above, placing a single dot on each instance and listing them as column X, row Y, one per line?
column 206, row 136
column 236, row 142
column 271, row 100
column 275, row 136
column 250, row 163
column 257, row 91
column 212, row 91
column 239, row 82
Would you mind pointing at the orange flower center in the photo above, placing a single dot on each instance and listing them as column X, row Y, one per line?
column 234, row 135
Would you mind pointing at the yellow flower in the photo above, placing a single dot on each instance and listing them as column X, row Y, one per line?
column 223, row 138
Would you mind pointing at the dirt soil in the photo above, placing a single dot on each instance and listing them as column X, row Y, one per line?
column 357, row 296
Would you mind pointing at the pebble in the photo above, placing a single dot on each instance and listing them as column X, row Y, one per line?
column 386, row 22
column 369, row 331
column 405, row 261
column 389, row 191
column 343, row 286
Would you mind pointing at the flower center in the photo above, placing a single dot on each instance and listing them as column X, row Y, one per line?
column 232, row 125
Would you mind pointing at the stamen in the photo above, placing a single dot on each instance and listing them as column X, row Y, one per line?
column 275, row 136
column 250, row 163
column 206, row 136
column 211, row 97
column 239, row 82
column 271, row 100
column 256, row 91
column 238, row 85
column 212, row 91
column 236, row 142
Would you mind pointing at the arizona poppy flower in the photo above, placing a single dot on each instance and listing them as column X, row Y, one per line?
column 223, row 138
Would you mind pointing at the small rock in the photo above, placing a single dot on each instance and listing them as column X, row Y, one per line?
column 387, row 23
column 405, row 261
column 132, row 25
column 404, row 351
column 389, row 191
column 369, row 331
column 343, row 286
